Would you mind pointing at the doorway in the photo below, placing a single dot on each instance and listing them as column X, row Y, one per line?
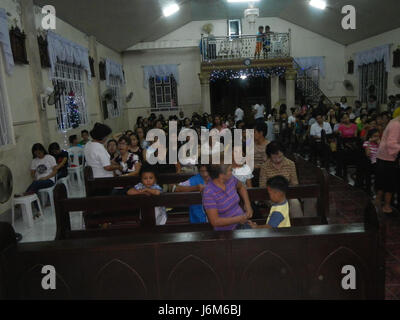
column 227, row 95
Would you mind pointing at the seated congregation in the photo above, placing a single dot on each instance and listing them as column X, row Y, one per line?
column 336, row 136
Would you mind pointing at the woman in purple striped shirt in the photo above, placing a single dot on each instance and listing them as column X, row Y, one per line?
column 221, row 200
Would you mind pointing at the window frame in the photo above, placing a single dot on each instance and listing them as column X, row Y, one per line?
column 75, row 80
column 116, row 87
column 163, row 89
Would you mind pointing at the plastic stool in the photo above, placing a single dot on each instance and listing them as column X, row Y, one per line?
column 26, row 206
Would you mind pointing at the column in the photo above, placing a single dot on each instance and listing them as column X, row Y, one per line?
column 205, row 92
column 32, row 50
column 275, row 92
column 290, row 76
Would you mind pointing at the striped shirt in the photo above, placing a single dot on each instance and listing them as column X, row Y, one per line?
column 288, row 170
column 226, row 202
column 373, row 148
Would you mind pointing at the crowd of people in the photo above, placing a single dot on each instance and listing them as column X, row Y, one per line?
column 334, row 137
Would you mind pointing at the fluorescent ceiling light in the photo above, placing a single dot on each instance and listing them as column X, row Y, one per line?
column 237, row 1
column 170, row 10
column 320, row 4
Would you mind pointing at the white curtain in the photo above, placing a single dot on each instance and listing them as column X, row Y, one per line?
column 113, row 69
column 5, row 42
column 4, row 131
column 375, row 54
column 162, row 70
column 312, row 62
column 64, row 50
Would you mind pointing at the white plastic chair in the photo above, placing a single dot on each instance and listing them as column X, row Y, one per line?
column 76, row 164
column 26, row 207
column 43, row 193
column 66, row 182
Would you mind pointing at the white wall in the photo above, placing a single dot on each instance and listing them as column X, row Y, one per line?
column 23, row 111
column 189, row 95
column 391, row 37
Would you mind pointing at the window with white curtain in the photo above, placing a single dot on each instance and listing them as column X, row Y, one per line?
column 69, row 87
column 115, row 86
column 5, row 131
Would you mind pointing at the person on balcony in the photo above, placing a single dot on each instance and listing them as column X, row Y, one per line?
column 267, row 41
column 259, row 42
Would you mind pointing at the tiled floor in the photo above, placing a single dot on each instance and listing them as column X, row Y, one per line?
column 346, row 206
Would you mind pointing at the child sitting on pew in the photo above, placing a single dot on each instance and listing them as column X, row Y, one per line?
column 149, row 187
column 279, row 214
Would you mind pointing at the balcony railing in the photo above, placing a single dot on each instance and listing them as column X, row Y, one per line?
column 274, row 45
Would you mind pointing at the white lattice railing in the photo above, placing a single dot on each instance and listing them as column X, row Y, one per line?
column 274, row 45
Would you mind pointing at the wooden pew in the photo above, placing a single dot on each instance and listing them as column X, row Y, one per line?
column 113, row 205
column 292, row 263
column 100, row 186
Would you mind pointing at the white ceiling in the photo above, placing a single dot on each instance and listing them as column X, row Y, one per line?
column 121, row 24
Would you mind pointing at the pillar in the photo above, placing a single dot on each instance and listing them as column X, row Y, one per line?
column 205, row 92
column 275, row 98
column 290, row 76
column 35, row 68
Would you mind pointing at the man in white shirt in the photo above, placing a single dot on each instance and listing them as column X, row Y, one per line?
column 319, row 146
column 239, row 114
column 96, row 154
column 318, row 126
column 259, row 112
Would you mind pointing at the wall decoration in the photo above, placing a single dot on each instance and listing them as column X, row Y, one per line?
column 91, row 63
column 396, row 58
column 102, row 70
column 229, row 75
column 350, row 67
column 43, row 52
column 18, row 47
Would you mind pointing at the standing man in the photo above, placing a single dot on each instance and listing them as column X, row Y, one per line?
column 239, row 114
column 318, row 133
column 258, row 111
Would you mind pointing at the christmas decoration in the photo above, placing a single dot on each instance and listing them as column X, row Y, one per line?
column 229, row 75
column 72, row 108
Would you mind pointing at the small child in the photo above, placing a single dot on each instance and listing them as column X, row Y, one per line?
column 149, row 187
column 371, row 145
column 279, row 214
column 267, row 41
column 259, row 42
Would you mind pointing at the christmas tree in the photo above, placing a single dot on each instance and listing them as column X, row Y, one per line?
column 72, row 109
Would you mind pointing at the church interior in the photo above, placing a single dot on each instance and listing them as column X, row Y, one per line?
column 108, row 185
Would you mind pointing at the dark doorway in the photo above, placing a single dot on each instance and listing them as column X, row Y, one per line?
column 226, row 95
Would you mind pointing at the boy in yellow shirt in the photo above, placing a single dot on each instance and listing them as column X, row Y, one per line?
column 279, row 214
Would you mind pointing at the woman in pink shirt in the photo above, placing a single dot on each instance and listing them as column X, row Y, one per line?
column 346, row 128
column 386, row 172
